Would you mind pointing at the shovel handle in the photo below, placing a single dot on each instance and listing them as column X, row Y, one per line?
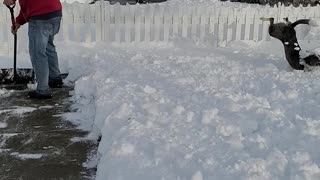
column 13, row 21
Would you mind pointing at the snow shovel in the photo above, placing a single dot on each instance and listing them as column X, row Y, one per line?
column 14, row 75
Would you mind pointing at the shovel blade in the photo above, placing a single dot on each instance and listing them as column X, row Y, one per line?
column 24, row 76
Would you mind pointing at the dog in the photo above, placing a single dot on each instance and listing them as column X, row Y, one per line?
column 285, row 32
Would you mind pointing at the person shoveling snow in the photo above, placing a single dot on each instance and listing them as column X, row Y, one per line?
column 44, row 18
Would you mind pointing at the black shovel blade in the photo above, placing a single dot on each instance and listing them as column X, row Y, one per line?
column 23, row 76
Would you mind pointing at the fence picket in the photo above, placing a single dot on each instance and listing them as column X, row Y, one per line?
column 117, row 17
column 248, row 22
column 157, row 22
column 222, row 20
column 194, row 21
column 167, row 24
column 185, row 21
column 240, row 21
column 147, row 24
column 138, row 23
column 256, row 25
column 176, row 22
column 203, row 23
column 128, row 23
column 231, row 20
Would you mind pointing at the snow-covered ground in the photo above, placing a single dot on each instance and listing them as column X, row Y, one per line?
column 190, row 111
column 195, row 112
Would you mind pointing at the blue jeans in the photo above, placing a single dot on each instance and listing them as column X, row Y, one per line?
column 43, row 53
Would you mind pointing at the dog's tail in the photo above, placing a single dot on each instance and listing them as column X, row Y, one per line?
column 310, row 22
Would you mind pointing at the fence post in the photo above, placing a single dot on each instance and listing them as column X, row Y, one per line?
column 265, row 24
column 77, row 21
column 137, row 23
column 128, row 20
column 256, row 24
column 167, row 23
column 105, row 22
column 249, row 21
column 147, row 23
column 176, row 22
column 230, row 21
column 157, row 22
column 186, row 19
column 213, row 23
column 98, row 17
column 87, row 24
column 117, row 17
column 203, row 22
column 223, row 15
column 194, row 21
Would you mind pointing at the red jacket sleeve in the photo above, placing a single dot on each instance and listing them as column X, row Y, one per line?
column 20, row 19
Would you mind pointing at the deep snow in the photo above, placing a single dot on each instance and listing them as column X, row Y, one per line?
column 186, row 111
column 190, row 111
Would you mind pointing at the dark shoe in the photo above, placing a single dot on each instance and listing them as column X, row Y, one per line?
column 36, row 95
column 57, row 83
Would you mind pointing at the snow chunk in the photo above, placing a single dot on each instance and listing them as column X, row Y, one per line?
column 296, row 44
column 190, row 116
column 197, row 176
column 125, row 149
column 286, row 43
column 5, row 93
column 179, row 110
column 209, row 115
column 27, row 156
column 149, row 90
column 18, row 110
column 123, row 111
column 297, row 48
column 3, row 125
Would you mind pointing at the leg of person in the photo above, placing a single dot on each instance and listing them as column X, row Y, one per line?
column 55, row 80
column 38, row 39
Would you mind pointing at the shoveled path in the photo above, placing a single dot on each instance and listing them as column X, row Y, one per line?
column 35, row 142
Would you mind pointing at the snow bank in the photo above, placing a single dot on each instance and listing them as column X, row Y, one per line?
column 196, row 113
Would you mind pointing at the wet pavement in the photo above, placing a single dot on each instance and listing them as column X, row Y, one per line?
column 35, row 141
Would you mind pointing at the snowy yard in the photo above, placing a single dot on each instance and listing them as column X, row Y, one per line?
column 187, row 110
column 194, row 112
column 190, row 111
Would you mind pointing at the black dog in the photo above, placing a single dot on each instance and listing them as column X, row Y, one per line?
column 286, row 33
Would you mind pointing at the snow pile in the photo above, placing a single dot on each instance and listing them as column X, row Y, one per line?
column 196, row 113
column 18, row 110
column 5, row 93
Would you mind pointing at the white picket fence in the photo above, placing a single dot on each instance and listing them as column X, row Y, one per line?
column 160, row 23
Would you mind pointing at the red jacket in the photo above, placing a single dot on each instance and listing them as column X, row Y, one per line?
column 31, row 8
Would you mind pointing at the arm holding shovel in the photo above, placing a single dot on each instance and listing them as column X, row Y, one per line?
column 11, row 4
